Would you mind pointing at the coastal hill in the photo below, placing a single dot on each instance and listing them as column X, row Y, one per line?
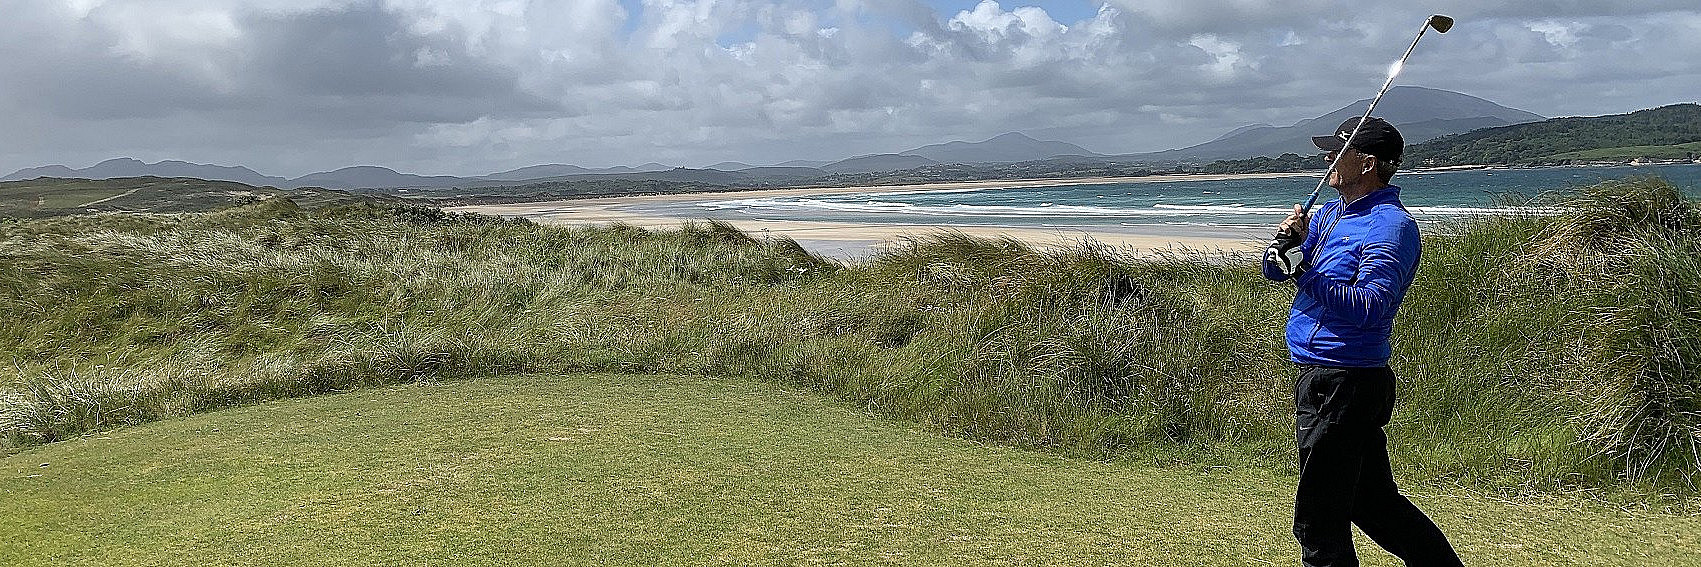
column 372, row 176
column 559, row 170
column 877, row 163
column 1420, row 113
column 49, row 196
column 1010, row 147
column 1461, row 129
column 1649, row 133
column 1005, row 148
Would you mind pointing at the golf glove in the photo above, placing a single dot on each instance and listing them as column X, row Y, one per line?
column 1286, row 255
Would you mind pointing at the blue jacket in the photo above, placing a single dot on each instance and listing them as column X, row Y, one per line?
column 1363, row 257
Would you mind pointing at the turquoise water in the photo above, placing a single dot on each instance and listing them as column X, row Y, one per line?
column 1239, row 203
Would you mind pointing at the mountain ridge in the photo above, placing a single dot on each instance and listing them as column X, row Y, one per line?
column 1004, row 148
column 1421, row 113
column 131, row 167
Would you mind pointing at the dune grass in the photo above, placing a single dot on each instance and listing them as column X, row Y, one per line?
column 682, row 470
column 1536, row 354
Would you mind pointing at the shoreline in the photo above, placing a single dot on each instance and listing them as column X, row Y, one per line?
column 904, row 188
column 848, row 240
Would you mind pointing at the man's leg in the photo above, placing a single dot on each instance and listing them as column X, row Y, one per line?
column 1391, row 520
column 1329, row 461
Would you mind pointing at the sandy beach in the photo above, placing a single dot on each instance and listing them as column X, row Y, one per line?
column 846, row 240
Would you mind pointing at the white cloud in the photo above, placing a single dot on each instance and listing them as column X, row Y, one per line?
column 1227, row 60
column 1563, row 35
column 994, row 24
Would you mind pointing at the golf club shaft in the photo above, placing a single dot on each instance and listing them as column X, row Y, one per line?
column 1392, row 72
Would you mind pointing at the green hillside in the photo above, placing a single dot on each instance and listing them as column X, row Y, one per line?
column 1542, row 142
column 47, row 196
column 1690, row 151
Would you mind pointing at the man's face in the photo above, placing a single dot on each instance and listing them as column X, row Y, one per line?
column 1350, row 169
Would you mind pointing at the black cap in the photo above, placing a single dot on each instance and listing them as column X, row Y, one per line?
column 1377, row 138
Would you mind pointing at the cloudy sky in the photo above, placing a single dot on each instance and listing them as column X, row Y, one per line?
column 465, row 87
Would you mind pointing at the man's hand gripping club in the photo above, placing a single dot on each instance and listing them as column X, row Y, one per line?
column 1285, row 253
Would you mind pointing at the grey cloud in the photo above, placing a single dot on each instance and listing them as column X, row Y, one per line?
column 358, row 62
column 363, row 61
column 365, row 50
column 72, row 68
column 436, row 85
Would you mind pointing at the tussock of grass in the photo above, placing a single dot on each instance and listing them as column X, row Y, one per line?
column 1564, row 345
column 1631, row 250
column 1536, row 353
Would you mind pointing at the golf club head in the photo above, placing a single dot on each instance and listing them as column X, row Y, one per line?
column 1441, row 23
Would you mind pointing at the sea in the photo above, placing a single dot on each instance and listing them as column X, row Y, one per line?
column 1233, row 205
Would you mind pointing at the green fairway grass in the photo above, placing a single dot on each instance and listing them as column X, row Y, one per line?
column 663, row 470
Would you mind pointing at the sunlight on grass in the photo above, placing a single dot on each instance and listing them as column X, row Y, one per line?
column 651, row 470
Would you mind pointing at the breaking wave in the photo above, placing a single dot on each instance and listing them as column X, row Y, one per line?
column 894, row 210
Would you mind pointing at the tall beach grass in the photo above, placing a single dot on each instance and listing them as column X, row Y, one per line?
column 1535, row 352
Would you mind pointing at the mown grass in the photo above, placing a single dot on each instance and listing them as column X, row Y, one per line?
column 685, row 470
column 1535, row 353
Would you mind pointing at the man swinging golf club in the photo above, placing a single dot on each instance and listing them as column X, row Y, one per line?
column 1352, row 264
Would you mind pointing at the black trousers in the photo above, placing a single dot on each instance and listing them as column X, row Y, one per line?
column 1344, row 475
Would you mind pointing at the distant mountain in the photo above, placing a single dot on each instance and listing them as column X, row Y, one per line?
column 749, row 176
column 803, row 163
column 1004, row 148
column 1420, row 113
column 373, row 177
column 538, row 172
column 783, row 173
column 877, row 164
column 1541, row 142
column 1243, row 129
column 129, row 167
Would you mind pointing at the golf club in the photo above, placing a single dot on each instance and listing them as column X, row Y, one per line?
column 1441, row 24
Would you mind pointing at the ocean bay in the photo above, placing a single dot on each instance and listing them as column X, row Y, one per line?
column 1232, row 205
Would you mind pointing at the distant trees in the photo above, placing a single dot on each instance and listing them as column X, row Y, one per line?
column 1285, row 162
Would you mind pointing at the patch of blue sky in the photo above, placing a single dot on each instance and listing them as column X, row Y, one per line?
column 634, row 12
column 745, row 33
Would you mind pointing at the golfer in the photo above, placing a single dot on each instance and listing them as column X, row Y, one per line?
column 1352, row 264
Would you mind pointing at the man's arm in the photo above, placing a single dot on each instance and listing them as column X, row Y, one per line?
column 1384, row 272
